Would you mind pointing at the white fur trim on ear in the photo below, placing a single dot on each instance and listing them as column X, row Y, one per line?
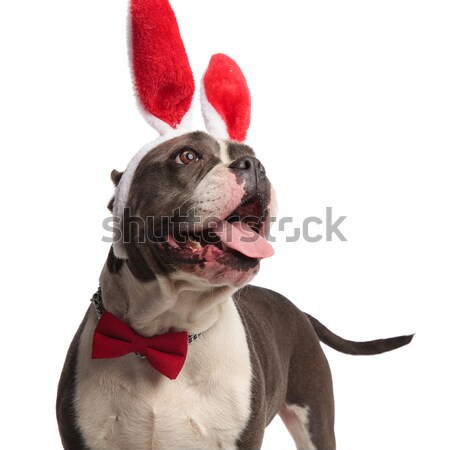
column 213, row 122
column 123, row 188
column 162, row 127
column 159, row 125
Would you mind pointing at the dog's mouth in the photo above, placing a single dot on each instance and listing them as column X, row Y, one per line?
column 240, row 235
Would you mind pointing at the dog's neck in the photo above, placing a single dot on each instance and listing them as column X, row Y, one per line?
column 169, row 303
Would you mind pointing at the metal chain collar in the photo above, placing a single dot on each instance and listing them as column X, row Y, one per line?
column 97, row 302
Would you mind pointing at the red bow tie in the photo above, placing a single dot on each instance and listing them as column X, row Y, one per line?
column 165, row 352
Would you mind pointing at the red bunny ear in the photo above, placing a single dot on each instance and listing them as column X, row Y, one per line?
column 162, row 74
column 225, row 99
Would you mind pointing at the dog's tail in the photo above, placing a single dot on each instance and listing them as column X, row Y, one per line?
column 357, row 348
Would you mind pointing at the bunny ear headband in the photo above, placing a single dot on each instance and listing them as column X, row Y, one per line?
column 165, row 89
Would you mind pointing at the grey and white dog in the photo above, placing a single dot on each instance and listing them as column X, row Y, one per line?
column 255, row 354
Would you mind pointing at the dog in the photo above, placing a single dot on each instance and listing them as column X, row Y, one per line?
column 178, row 350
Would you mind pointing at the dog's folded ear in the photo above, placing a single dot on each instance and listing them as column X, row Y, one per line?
column 225, row 99
column 111, row 204
column 116, row 176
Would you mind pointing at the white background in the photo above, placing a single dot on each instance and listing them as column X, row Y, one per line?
column 351, row 109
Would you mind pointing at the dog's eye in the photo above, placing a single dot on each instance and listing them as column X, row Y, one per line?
column 187, row 156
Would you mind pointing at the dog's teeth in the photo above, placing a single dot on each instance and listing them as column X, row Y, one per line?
column 193, row 243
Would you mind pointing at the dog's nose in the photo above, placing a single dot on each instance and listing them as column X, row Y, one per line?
column 248, row 163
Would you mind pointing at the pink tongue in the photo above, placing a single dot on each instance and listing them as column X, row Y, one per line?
column 240, row 237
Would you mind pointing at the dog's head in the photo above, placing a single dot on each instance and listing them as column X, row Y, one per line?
column 192, row 204
column 201, row 206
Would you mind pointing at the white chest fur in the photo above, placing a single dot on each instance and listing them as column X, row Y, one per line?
column 124, row 404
